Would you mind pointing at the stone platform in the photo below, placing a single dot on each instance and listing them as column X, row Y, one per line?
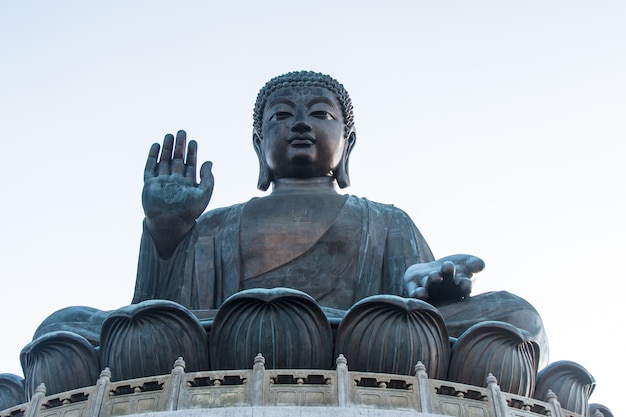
column 261, row 392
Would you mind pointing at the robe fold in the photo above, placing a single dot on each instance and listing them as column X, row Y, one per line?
column 364, row 252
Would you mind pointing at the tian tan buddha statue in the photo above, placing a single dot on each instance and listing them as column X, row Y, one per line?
column 304, row 273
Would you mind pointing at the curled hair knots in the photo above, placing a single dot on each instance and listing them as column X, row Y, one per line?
column 304, row 79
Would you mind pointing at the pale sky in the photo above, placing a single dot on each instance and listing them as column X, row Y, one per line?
column 499, row 127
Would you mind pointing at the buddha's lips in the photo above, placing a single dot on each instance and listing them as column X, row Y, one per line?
column 302, row 140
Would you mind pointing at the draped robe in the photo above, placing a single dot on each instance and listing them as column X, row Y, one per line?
column 365, row 251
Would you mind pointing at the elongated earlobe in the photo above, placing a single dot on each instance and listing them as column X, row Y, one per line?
column 341, row 173
column 265, row 177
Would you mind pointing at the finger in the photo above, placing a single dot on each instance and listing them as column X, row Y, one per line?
column 459, row 277
column 192, row 160
column 420, row 293
column 166, row 155
column 151, row 163
column 206, row 177
column 416, row 272
column 474, row 264
column 432, row 280
column 464, row 287
column 448, row 270
column 411, row 286
column 178, row 161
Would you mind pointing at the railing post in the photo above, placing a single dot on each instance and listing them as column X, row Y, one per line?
column 96, row 399
column 174, row 385
column 597, row 413
column 34, row 405
column 343, row 382
column 499, row 402
column 257, row 388
column 423, row 390
column 554, row 402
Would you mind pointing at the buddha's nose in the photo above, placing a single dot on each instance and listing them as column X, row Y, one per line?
column 300, row 126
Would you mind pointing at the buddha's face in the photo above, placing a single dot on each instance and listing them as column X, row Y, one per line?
column 303, row 133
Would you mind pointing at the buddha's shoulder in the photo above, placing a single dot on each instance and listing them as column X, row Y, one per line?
column 365, row 203
column 382, row 213
column 217, row 219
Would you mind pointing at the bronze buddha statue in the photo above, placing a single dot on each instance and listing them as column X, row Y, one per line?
column 335, row 250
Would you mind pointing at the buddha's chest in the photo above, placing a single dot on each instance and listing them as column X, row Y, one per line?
column 276, row 230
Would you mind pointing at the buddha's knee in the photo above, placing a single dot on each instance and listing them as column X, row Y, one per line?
column 147, row 338
column 54, row 359
column 81, row 320
column 500, row 306
column 497, row 348
column 390, row 334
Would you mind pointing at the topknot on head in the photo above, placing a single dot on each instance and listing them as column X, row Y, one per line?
column 304, row 79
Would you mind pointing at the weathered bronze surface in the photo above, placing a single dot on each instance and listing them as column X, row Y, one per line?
column 305, row 235
column 286, row 326
column 64, row 360
column 257, row 258
column 497, row 348
column 140, row 340
column 11, row 390
column 390, row 334
column 571, row 383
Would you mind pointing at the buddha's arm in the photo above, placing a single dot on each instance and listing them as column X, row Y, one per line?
column 421, row 275
column 405, row 246
column 171, row 278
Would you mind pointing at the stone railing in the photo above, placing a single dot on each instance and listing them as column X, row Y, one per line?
column 260, row 387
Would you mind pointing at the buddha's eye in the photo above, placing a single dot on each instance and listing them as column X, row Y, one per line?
column 323, row 115
column 280, row 115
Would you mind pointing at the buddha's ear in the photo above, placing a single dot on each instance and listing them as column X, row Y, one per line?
column 265, row 177
column 342, row 174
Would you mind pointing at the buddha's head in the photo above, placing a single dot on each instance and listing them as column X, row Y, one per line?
column 303, row 128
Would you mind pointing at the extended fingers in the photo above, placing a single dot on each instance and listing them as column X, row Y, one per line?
column 432, row 280
column 474, row 264
column 420, row 293
column 172, row 160
column 421, row 279
column 416, row 291
column 448, row 268
column 178, row 161
column 192, row 160
column 463, row 286
column 206, row 177
column 151, row 163
column 166, row 155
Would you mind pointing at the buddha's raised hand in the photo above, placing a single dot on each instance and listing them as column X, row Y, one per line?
column 172, row 199
column 448, row 278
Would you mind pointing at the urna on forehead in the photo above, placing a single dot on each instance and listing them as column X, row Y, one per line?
column 304, row 79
